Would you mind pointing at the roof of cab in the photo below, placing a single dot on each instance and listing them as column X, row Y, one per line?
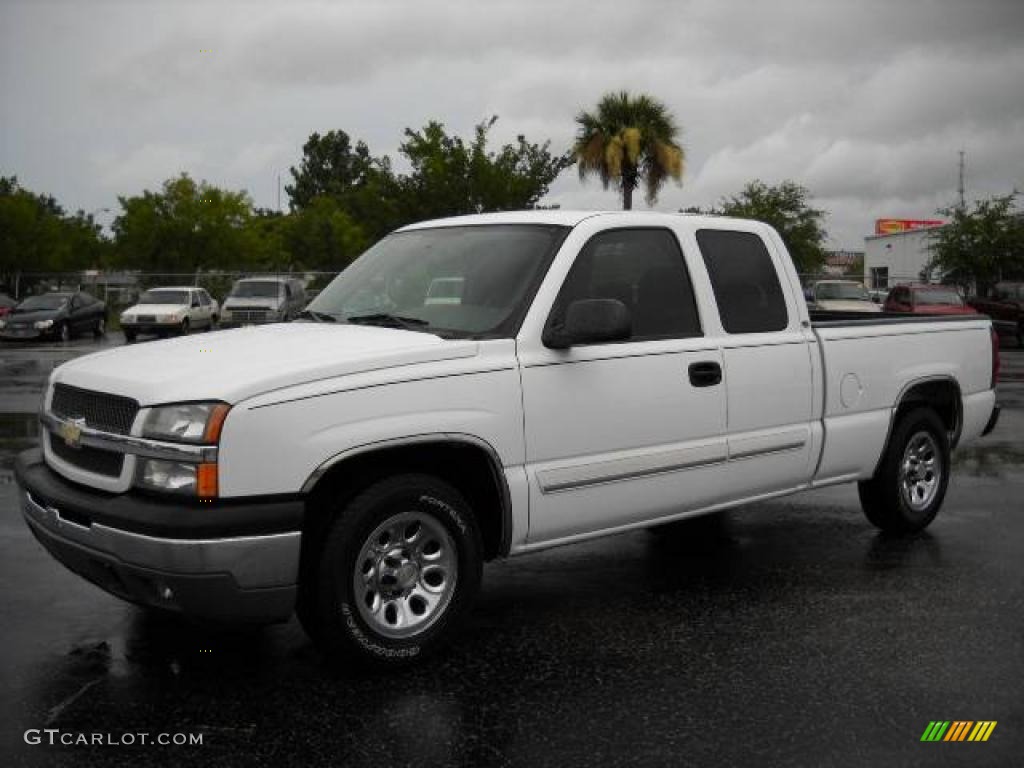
column 556, row 216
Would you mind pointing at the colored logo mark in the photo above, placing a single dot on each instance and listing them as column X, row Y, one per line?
column 958, row 730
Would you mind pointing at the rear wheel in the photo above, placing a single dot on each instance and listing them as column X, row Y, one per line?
column 399, row 568
column 907, row 490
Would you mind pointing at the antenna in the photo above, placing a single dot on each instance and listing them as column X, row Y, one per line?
column 960, row 183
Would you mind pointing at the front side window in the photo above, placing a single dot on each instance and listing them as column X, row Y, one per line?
column 462, row 281
column 46, row 301
column 164, row 297
column 943, row 297
column 645, row 270
column 843, row 292
column 257, row 289
column 744, row 280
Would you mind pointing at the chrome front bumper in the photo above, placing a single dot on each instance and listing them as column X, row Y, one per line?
column 251, row 578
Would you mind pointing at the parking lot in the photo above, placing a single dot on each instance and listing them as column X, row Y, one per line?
column 789, row 632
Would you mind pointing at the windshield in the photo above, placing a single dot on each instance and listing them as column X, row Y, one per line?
column 841, row 292
column 164, row 297
column 466, row 281
column 257, row 289
column 946, row 297
column 47, row 301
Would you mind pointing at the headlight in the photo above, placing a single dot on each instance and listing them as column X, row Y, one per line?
column 3, row 324
column 42, row 325
column 186, row 422
column 177, row 477
column 168, row 318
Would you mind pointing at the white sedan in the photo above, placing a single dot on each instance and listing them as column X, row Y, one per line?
column 163, row 311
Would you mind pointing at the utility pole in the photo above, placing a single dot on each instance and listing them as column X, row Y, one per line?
column 960, row 183
column 279, row 189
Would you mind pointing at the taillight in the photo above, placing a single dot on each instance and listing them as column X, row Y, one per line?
column 995, row 358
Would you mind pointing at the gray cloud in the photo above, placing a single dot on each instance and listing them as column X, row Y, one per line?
column 866, row 103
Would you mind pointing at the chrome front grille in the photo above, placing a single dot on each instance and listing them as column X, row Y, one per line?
column 249, row 315
column 93, row 460
column 107, row 413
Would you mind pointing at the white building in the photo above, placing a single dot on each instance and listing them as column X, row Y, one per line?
column 899, row 257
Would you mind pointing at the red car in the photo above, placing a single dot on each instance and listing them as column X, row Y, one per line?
column 6, row 304
column 927, row 300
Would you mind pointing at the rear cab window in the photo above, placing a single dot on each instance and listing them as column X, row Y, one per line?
column 744, row 280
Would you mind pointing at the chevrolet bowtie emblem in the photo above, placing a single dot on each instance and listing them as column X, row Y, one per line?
column 71, row 432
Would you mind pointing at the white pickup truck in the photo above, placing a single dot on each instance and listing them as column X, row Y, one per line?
column 596, row 372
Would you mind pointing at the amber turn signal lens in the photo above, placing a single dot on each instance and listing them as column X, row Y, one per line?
column 215, row 422
column 206, row 481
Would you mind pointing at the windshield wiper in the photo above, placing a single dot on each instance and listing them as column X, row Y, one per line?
column 318, row 317
column 389, row 321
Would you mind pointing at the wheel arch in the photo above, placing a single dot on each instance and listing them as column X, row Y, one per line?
column 468, row 463
column 940, row 393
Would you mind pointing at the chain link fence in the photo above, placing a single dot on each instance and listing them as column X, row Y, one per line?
column 120, row 290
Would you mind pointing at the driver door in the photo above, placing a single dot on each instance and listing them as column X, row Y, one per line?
column 625, row 432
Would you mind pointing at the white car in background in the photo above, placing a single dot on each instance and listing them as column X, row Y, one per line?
column 841, row 296
column 163, row 311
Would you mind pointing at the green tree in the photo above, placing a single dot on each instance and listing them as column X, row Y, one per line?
column 628, row 140
column 363, row 184
column 322, row 236
column 982, row 245
column 450, row 177
column 786, row 208
column 36, row 236
column 184, row 228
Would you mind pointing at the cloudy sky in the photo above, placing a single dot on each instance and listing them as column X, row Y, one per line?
column 865, row 103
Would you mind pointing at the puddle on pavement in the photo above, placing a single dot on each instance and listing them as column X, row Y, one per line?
column 18, row 426
column 989, row 460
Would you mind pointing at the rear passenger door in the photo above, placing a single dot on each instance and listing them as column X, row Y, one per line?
column 768, row 366
column 624, row 432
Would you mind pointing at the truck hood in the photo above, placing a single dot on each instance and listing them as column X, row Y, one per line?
column 234, row 365
column 155, row 309
column 849, row 305
column 233, row 302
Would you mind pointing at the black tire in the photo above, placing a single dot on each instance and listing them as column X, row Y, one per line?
column 129, row 336
column 906, row 492
column 183, row 330
column 101, row 328
column 343, row 623
column 64, row 331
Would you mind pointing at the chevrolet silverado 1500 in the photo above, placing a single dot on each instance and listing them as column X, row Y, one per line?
column 594, row 373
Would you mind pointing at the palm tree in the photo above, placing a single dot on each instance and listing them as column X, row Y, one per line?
column 628, row 139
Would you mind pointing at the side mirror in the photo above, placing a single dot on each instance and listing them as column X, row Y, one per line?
column 590, row 321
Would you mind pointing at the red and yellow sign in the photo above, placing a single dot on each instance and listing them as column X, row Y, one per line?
column 889, row 226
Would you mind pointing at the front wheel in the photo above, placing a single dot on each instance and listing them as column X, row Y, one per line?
column 183, row 330
column 907, row 490
column 101, row 328
column 64, row 332
column 400, row 566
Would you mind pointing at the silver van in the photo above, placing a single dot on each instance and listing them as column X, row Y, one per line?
column 256, row 300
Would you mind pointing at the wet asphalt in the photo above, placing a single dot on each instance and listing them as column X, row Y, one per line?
column 783, row 633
